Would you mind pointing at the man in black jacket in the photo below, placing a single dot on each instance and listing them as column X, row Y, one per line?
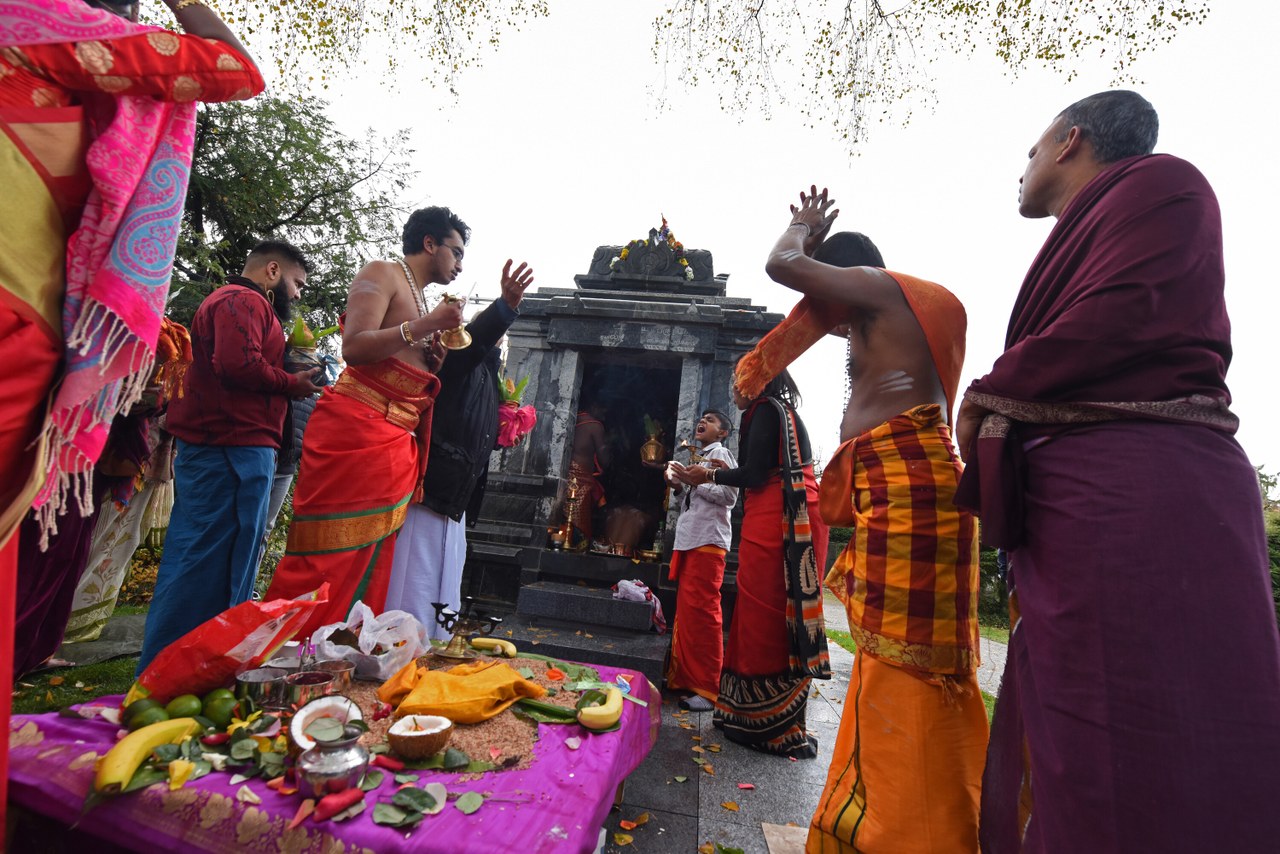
column 432, row 546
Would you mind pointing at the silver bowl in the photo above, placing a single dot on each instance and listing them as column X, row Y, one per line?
column 264, row 686
column 343, row 672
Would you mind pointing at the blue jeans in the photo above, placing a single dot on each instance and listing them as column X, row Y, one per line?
column 211, row 548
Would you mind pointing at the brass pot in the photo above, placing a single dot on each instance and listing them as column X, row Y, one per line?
column 653, row 451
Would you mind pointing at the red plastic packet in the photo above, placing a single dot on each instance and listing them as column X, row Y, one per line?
column 209, row 655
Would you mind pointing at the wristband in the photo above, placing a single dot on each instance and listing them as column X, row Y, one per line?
column 714, row 469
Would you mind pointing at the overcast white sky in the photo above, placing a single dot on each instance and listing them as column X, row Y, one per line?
column 555, row 147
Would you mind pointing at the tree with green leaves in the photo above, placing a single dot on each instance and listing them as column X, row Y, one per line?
column 845, row 64
column 277, row 168
column 850, row 64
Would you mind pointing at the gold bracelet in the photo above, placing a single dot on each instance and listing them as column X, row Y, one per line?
column 407, row 335
column 182, row 4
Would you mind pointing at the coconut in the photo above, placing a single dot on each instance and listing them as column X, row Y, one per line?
column 419, row 736
column 336, row 706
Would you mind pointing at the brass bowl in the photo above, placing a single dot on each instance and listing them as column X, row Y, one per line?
column 649, row 555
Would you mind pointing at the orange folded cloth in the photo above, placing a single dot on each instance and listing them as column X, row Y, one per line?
column 466, row 694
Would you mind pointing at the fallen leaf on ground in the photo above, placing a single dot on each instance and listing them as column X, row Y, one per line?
column 642, row 818
column 686, row 726
column 746, row 785
column 709, row 769
column 697, row 749
column 706, row 848
column 56, row 680
column 681, row 779
column 714, row 748
column 627, row 825
column 731, row 806
column 621, row 839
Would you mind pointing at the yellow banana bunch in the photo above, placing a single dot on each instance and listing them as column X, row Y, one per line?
column 117, row 767
column 606, row 714
column 506, row 647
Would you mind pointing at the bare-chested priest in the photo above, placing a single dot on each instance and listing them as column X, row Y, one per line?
column 366, row 444
column 907, row 778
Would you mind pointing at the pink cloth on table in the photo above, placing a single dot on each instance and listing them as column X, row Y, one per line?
column 558, row 804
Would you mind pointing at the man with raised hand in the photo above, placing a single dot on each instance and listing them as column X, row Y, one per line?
column 1141, row 692
column 907, row 763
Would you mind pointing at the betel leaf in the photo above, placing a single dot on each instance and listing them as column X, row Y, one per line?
column 272, row 764
column 414, row 799
column 244, row 749
column 358, row 724
column 371, row 780
column 479, row 767
column 203, row 768
column 143, row 777
column 324, row 729
column 454, row 758
column 167, row 752
column 393, row 816
column 469, row 802
column 406, row 778
column 525, row 672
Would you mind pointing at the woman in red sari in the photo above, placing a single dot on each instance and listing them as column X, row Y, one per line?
column 96, row 127
column 777, row 643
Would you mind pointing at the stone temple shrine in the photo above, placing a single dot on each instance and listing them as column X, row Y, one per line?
column 649, row 332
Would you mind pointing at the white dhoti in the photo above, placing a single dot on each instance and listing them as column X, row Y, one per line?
column 430, row 551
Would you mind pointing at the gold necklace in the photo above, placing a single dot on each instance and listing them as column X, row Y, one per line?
column 418, row 299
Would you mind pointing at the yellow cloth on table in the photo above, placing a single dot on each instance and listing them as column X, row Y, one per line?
column 466, row 694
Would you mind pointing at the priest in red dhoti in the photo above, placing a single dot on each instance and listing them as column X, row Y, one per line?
column 365, row 450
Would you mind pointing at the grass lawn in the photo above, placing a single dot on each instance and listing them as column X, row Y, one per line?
column 845, row 640
column 995, row 633
column 51, row 690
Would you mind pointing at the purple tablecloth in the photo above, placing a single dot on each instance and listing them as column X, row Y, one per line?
column 557, row 804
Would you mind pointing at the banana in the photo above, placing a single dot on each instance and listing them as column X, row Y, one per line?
column 606, row 714
column 116, row 768
column 506, row 647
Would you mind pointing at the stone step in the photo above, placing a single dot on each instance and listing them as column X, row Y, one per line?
column 582, row 605
column 642, row 651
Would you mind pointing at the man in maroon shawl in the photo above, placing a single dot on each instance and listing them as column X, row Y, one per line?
column 1140, row 708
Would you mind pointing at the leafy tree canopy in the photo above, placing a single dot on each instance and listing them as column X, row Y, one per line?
column 850, row 64
column 333, row 35
column 276, row 168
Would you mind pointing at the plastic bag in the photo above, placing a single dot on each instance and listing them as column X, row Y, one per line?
column 210, row 655
column 637, row 591
column 387, row 641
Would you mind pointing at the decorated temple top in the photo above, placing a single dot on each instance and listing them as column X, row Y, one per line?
column 658, row 262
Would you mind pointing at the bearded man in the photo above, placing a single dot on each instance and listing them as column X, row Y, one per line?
column 228, row 423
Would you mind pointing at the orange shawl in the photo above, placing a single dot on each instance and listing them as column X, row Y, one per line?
column 937, row 310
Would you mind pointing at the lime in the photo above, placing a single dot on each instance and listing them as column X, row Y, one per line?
column 147, row 717
column 217, row 693
column 184, row 706
column 138, row 706
column 219, row 710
